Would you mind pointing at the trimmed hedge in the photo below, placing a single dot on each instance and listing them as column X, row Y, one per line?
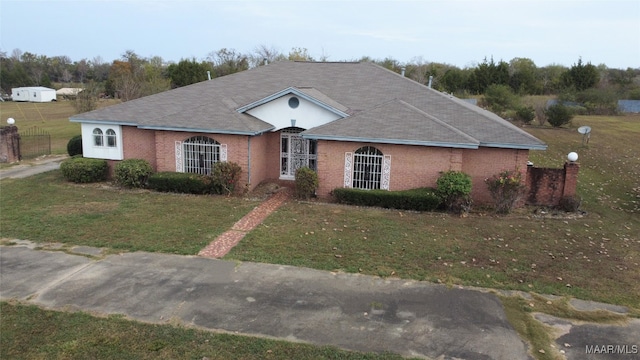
column 421, row 199
column 84, row 170
column 74, row 146
column 133, row 173
column 186, row 183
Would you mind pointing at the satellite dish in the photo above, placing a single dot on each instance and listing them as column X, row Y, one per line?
column 584, row 130
column 586, row 133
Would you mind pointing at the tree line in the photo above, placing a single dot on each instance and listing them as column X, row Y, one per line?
column 133, row 76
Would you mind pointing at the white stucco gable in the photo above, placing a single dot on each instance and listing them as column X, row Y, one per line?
column 293, row 107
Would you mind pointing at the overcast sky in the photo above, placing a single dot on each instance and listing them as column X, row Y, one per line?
column 460, row 33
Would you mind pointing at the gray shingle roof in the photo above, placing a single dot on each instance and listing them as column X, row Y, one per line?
column 383, row 107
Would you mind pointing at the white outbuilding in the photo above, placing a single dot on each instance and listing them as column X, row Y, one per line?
column 33, row 94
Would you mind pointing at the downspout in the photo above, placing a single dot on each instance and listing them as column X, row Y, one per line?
column 249, row 160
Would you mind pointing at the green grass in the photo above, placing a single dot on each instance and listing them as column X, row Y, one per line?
column 28, row 332
column 103, row 216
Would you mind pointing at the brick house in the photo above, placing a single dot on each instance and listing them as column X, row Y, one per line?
column 357, row 124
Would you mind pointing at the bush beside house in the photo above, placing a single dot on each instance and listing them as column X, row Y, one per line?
column 133, row 173
column 84, row 170
column 421, row 199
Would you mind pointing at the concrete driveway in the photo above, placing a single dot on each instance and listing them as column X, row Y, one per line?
column 31, row 167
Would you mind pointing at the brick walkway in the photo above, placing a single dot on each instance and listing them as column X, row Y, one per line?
column 225, row 242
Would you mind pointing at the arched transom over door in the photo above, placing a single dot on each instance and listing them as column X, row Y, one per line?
column 295, row 152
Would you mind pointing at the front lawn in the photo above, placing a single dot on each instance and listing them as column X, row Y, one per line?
column 46, row 208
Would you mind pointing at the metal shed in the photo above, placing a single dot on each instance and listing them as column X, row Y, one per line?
column 33, row 94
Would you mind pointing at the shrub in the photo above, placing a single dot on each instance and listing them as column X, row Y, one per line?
column 526, row 114
column 506, row 188
column 84, row 170
column 225, row 177
column 500, row 98
column 133, row 173
column 185, row 183
column 599, row 101
column 74, row 146
column 558, row 115
column 454, row 188
column 306, row 183
column 421, row 199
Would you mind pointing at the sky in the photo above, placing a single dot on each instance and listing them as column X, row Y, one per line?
column 455, row 32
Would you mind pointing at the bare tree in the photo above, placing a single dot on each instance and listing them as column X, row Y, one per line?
column 16, row 55
column 264, row 53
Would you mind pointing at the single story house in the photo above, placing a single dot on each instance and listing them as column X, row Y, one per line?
column 33, row 94
column 357, row 124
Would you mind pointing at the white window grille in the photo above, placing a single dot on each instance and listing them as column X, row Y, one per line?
column 367, row 168
column 98, row 139
column 296, row 152
column 199, row 154
column 111, row 138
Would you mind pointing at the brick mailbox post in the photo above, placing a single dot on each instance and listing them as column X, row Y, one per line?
column 548, row 186
column 9, row 144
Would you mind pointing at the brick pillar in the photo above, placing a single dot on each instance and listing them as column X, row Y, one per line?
column 570, row 178
column 9, row 144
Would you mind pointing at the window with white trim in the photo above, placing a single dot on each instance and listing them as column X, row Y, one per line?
column 111, row 138
column 367, row 168
column 200, row 153
column 98, row 139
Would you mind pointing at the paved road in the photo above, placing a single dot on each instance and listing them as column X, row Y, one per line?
column 346, row 310
column 350, row 311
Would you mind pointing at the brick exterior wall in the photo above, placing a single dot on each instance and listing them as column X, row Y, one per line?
column 165, row 145
column 139, row 144
column 483, row 163
column 265, row 158
column 411, row 166
column 420, row 166
column 158, row 148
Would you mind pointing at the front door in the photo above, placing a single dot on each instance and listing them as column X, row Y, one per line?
column 295, row 152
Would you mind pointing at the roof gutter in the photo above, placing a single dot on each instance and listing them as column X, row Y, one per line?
column 515, row 146
column 392, row 141
column 210, row 131
column 108, row 122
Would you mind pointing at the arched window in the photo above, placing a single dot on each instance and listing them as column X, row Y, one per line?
column 367, row 168
column 111, row 138
column 200, row 153
column 98, row 139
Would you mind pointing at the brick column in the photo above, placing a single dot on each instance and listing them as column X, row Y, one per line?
column 9, row 144
column 570, row 178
